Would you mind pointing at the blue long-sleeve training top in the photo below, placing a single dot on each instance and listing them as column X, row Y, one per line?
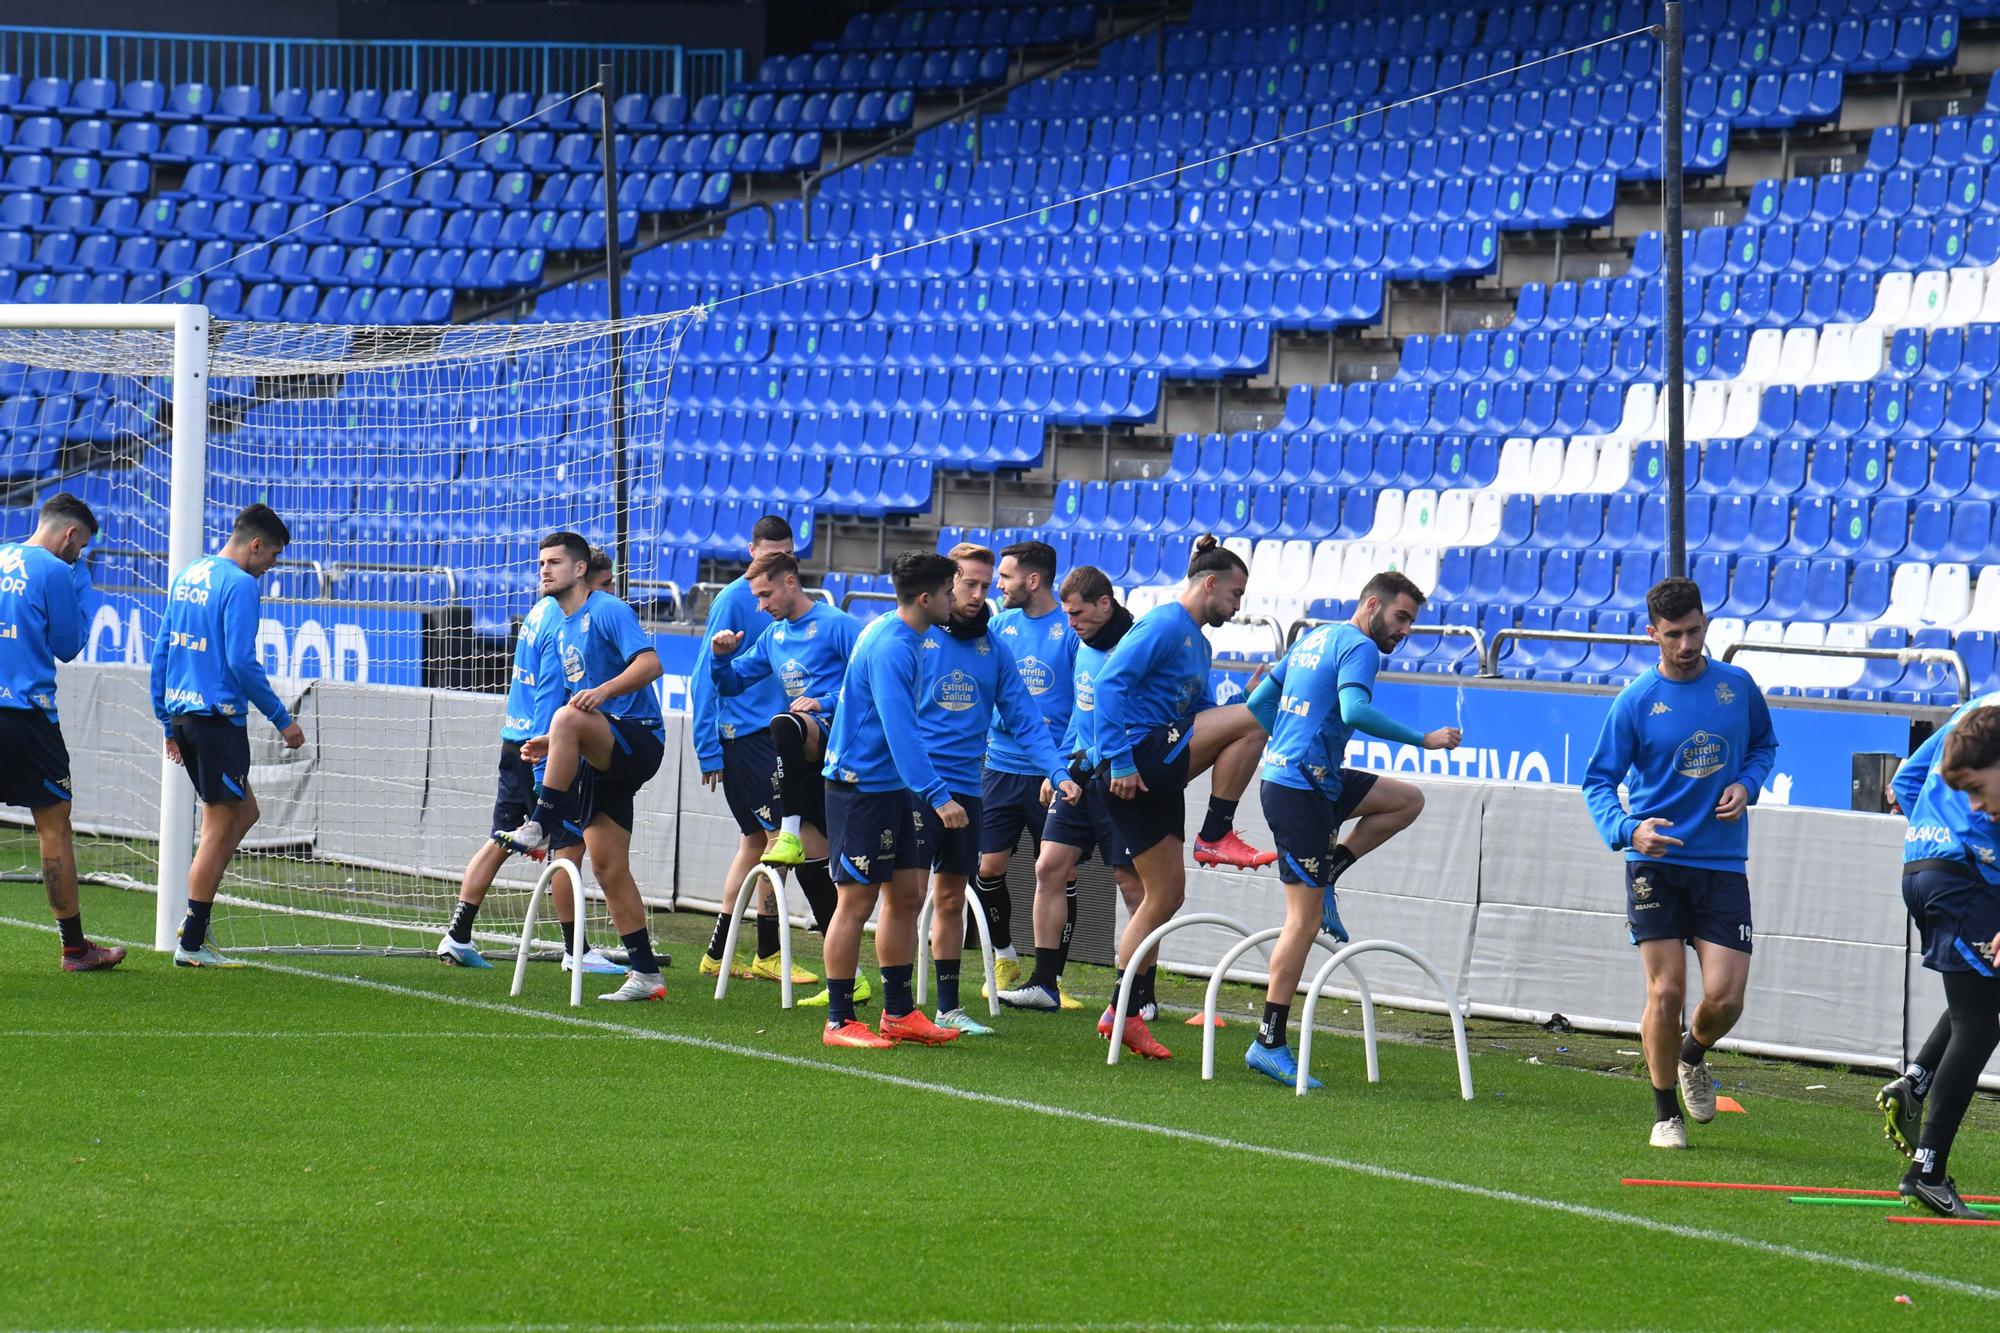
column 716, row 716
column 963, row 682
column 205, row 656
column 1091, row 655
column 1676, row 745
column 45, row 609
column 875, row 744
column 1044, row 652
column 593, row 645
column 807, row 658
column 1317, row 696
column 1942, row 823
column 1157, row 674
column 536, row 691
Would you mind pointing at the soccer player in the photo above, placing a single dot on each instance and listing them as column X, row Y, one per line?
column 883, row 801
column 1070, row 832
column 1321, row 692
column 1156, row 730
column 1691, row 740
column 1949, row 790
column 205, row 677
column 609, row 733
column 45, row 606
column 532, row 700
column 805, row 649
column 968, row 677
column 732, row 743
column 1032, row 627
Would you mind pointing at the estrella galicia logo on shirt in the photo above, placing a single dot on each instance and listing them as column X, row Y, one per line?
column 792, row 675
column 1034, row 672
column 1702, row 755
column 1085, row 695
column 956, row 692
column 572, row 663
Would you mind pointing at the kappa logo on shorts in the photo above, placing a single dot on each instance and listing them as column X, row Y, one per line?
column 1173, row 735
column 859, row 863
column 1310, row 864
column 728, row 728
column 1723, row 694
column 764, row 813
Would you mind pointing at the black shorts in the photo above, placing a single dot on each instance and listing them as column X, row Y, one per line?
column 1008, row 803
column 873, row 834
column 1957, row 914
column 1664, row 901
column 635, row 757
column 1085, row 826
column 749, row 775
column 955, row 851
column 216, row 753
column 36, row 772
column 1306, row 822
column 1160, row 811
column 514, row 800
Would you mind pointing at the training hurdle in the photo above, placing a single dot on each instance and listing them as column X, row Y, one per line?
column 1150, row 945
column 1345, row 958
column 744, row 896
column 977, row 908
column 547, row 881
column 1214, row 996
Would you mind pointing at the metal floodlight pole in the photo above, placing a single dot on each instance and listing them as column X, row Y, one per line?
column 1672, row 134
column 615, row 289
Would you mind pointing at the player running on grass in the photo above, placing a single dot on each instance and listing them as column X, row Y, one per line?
column 205, row 677
column 968, row 679
column 1032, row 627
column 1321, row 692
column 805, row 649
column 732, row 743
column 884, row 802
column 609, row 734
column 1069, row 832
column 1156, row 730
column 45, row 609
column 1949, row 790
column 532, row 700
column 1691, row 741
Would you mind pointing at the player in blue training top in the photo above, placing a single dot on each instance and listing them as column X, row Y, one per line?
column 532, row 700
column 206, row 677
column 805, row 650
column 732, row 744
column 1069, row 832
column 969, row 678
column 608, row 733
column 1949, row 790
column 46, row 603
column 1321, row 692
column 1691, row 741
column 1156, row 730
column 884, row 801
column 1032, row 627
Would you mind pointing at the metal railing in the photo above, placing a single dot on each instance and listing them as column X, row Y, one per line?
column 1945, row 657
column 1489, row 664
column 274, row 63
column 1476, row 635
column 810, row 184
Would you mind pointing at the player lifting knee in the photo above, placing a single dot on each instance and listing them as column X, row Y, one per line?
column 805, row 650
column 1691, row 741
column 532, row 700
column 46, row 603
column 1156, row 730
column 1319, row 693
column 609, row 733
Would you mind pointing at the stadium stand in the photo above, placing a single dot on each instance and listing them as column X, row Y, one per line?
column 1103, row 240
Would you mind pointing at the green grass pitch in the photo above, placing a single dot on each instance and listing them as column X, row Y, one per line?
column 382, row 1143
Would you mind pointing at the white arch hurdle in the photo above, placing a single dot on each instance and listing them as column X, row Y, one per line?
column 745, row 897
column 977, row 908
column 1215, row 980
column 1345, row 958
column 1149, row 945
column 548, row 881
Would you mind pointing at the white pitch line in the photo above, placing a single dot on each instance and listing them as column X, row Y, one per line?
column 869, row 1326
column 57, row 1034
column 1353, row 1167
